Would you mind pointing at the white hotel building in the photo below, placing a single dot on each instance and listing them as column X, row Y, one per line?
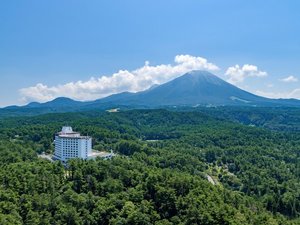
column 69, row 144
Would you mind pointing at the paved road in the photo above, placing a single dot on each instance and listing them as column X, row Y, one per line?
column 44, row 156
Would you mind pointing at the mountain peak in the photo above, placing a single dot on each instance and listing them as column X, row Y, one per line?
column 199, row 73
column 199, row 78
column 196, row 87
column 62, row 100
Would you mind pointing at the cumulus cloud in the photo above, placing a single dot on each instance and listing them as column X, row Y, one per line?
column 292, row 94
column 237, row 74
column 289, row 79
column 123, row 80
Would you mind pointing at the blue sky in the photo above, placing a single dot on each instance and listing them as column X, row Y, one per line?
column 54, row 48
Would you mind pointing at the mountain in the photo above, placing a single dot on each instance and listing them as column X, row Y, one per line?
column 60, row 102
column 196, row 88
column 193, row 89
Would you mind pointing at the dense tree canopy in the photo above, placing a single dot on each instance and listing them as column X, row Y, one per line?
column 172, row 167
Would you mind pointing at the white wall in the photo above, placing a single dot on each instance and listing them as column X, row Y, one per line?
column 66, row 148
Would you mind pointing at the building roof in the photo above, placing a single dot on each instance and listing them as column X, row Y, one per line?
column 67, row 132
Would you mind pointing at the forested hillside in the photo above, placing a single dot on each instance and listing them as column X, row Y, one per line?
column 278, row 118
column 172, row 168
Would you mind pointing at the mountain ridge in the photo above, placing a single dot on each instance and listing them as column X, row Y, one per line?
column 195, row 88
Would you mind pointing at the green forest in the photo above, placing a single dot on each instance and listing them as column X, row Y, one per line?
column 194, row 166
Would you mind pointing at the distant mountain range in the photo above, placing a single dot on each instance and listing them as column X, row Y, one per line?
column 196, row 88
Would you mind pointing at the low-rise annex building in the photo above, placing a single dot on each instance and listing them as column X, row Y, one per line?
column 70, row 144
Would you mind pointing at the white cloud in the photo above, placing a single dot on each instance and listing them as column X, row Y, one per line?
column 237, row 74
column 124, row 80
column 289, row 79
column 292, row 94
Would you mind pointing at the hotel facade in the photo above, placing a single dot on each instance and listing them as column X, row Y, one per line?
column 70, row 144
